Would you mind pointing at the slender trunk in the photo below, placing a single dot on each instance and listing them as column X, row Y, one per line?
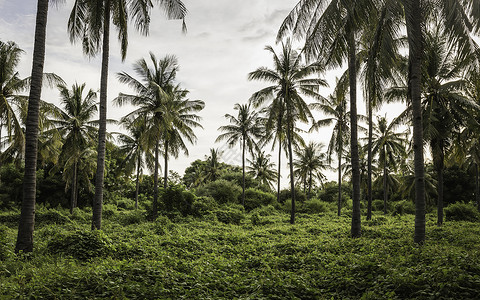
column 27, row 216
column 385, row 192
column 292, row 184
column 278, row 174
column 137, row 182
column 413, row 13
column 155, row 184
column 369, row 160
column 477, row 186
column 309, row 185
column 352, row 73
column 102, row 128
column 165, row 177
column 439, row 165
column 243, row 171
column 73, row 203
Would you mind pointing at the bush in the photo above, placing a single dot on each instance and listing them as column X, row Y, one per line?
column 176, row 199
column 230, row 214
column 265, row 210
column 81, row 245
column 203, row 206
column 51, row 216
column 125, row 203
column 4, row 245
column 461, row 212
column 315, row 206
column 109, row 211
column 131, row 217
column 255, row 198
column 222, row 191
column 403, row 207
column 377, row 205
column 286, row 194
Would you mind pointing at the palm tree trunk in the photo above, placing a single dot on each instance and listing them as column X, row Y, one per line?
column 309, row 185
column 352, row 73
column 439, row 162
column 243, row 171
column 155, row 184
column 27, row 216
column 413, row 16
column 369, row 160
column 340, row 149
column 165, row 177
column 74, row 189
column 137, row 182
column 278, row 174
column 292, row 184
column 385, row 192
column 102, row 127
column 477, row 186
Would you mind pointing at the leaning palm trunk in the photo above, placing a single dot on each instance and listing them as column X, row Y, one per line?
column 27, row 215
column 385, row 191
column 102, row 126
column 439, row 165
column 309, row 185
column 278, row 175
column 340, row 149
column 356, row 221
column 413, row 15
column 369, row 161
column 477, row 186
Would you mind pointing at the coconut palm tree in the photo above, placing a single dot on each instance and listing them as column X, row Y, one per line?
column 211, row 170
column 262, row 169
column 89, row 23
column 291, row 80
column 309, row 164
column 78, row 130
column 335, row 110
column 330, row 29
column 390, row 146
column 246, row 129
column 134, row 147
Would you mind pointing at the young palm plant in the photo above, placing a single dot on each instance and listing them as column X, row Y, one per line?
column 262, row 169
column 309, row 164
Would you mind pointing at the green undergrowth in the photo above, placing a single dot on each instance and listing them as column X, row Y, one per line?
column 261, row 256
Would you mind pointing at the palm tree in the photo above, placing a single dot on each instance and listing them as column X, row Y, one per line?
column 262, row 169
column 309, row 164
column 27, row 216
column 153, row 91
column 76, row 127
column 178, row 122
column 291, row 79
column 134, row 147
column 390, row 146
column 245, row 128
column 211, row 171
column 335, row 110
column 89, row 22
column 330, row 29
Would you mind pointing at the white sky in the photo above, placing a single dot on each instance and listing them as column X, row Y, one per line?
column 225, row 41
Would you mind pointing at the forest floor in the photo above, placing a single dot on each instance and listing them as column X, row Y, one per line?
column 262, row 257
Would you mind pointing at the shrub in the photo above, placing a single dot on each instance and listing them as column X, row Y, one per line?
column 255, row 198
column 203, row 206
column 461, row 212
column 267, row 210
column 109, row 211
column 230, row 214
column 377, row 205
column 403, row 207
column 125, row 203
column 286, row 194
column 222, row 191
column 81, row 244
column 4, row 245
column 51, row 216
column 131, row 217
column 315, row 206
column 176, row 199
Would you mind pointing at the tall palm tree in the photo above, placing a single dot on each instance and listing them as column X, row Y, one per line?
column 89, row 22
column 262, row 169
column 77, row 129
column 153, row 91
column 27, row 216
column 390, row 146
column 335, row 110
column 310, row 163
column 246, row 129
column 178, row 122
column 330, row 29
column 291, row 79
column 211, row 171
column 134, row 146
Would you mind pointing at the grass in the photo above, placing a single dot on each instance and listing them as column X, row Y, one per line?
column 262, row 258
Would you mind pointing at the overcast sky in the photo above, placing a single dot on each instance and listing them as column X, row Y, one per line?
column 225, row 41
